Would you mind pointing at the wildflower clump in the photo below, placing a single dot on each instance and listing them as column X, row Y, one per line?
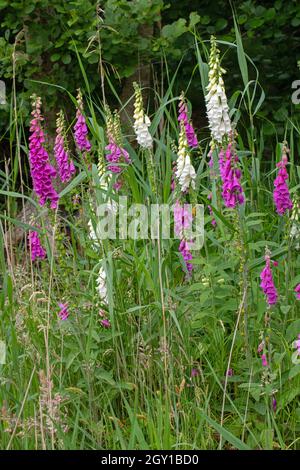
column 216, row 101
column 41, row 171
column 281, row 194
column 66, row 168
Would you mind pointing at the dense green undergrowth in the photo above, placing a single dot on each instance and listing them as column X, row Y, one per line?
column 178, row 366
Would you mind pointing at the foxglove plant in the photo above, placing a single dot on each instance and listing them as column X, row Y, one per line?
column 66, row 168
column 80, row 128
column 216, row 101
column 141, row 120
column 183, row 117
column 281, row 194
column 232, row 191
column 41, row 171
column 185, row 171
column 35, row 246
column 267, row 282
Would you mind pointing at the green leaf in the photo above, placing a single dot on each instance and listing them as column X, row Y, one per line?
column 66, row 59
column 55, row 57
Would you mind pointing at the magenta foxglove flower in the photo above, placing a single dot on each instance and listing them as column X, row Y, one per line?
column 189, row 130
column 64, row 312
column 229, row 372
column 281, row 194
column 184, row 249
column 267, row 283
column 264, row 360
column 36, row 249
column 105, row 323
column 116, row 155
column 80, row 128
column 232, row 191
column 66, row 167
column 194, row 372
column 41, row 170
column 274, row 404
column 118, row 185
column 182, row 219
column 297, row 290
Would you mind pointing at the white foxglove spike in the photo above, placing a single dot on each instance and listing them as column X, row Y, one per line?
column 216, row 100
column 185, row 172
column 141, row 121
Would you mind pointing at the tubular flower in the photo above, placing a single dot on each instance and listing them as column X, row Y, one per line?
column 36, row 249
column 116, row 153
column 101, row 285
column 185, row 171
column 141, row 120
column 216, row 101
column 281, row 194
column 183, row 116
column 297, row 290
column 41, row 170
column 184, row 249
column 105, row 323
column 66, row 167
column 267, row 283
column 232, row 191
column 80, row 128
column 64, row 312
